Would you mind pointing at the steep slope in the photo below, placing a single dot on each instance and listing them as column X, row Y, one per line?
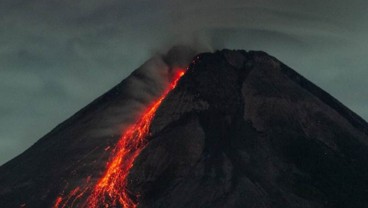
column 240, row 129
column 73, row 157
column 244, row 130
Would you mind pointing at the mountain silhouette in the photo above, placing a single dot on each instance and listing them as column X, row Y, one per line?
column 238, row 129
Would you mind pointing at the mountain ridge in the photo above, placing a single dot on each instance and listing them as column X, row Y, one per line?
column 240, row 129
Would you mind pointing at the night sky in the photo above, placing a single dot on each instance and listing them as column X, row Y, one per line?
column 56, row 56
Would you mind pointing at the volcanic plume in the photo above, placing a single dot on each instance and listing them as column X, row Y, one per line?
column 236, row 129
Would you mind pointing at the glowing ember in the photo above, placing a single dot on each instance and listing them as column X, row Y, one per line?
column 110, row 190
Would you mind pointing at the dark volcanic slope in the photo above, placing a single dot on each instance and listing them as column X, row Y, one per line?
column 243, row 130
column 240, row 129
column 76, row 149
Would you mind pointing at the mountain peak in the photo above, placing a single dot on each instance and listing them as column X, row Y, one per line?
column 244, row 130
column 240, row 129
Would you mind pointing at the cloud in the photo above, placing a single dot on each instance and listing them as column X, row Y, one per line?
column 57, row 56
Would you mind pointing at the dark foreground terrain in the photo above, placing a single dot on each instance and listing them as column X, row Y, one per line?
column 241, row 129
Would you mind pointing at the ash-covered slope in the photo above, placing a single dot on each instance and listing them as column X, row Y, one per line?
column 242, row 129
column 75, row 153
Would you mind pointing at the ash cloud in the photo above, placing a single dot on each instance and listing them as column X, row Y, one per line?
column 57, row 56
column 121, row 106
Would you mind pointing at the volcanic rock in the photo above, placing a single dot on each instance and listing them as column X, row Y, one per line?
column 241, row 129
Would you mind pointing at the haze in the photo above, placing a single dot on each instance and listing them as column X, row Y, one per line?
column 57, row 56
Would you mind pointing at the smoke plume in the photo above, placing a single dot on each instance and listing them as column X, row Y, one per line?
column 142, row 87
column 57, row 56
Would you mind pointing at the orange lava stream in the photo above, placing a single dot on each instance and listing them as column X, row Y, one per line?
column 110, row 190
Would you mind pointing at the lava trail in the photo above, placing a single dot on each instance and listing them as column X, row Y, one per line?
column 110, row 190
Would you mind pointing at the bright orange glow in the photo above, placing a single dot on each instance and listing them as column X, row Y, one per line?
column 111, row 188
column 58, row 201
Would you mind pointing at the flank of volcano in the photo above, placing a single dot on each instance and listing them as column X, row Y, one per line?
column 236, row 129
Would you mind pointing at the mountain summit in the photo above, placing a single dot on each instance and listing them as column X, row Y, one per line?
column 238, row 129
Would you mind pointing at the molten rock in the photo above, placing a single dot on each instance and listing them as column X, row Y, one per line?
column 244, row 130
column 240, row 129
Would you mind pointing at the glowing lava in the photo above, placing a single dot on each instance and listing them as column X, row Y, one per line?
column 110, row 190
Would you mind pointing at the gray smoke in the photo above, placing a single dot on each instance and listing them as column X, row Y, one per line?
column 57, row 56
column 113, row 114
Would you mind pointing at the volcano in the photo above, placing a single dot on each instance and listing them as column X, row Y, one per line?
column 234, row 129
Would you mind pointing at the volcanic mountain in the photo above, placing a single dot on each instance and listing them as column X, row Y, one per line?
column 236, row 129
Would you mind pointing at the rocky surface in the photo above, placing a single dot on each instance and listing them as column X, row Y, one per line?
column 241, row 129
column 75, row 153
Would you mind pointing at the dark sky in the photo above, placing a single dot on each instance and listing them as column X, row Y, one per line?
column 56, row 56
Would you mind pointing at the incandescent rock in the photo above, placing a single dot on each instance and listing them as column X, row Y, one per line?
column 241, row 129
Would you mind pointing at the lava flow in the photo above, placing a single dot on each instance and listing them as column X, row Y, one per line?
column 110, row 190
